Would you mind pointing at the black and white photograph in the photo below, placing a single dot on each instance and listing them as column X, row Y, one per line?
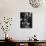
column 26, row 19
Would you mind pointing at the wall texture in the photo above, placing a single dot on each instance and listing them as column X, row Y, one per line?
column 12, row 8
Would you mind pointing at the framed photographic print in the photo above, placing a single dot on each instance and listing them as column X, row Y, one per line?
column 26, row 19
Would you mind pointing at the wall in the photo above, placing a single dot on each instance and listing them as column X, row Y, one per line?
column 12, row 8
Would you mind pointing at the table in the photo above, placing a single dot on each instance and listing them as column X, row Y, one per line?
column 28, row 43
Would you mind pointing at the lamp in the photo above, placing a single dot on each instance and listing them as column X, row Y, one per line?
column 36, row 3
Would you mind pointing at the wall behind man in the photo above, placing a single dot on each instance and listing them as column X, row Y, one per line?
column 12, row 8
